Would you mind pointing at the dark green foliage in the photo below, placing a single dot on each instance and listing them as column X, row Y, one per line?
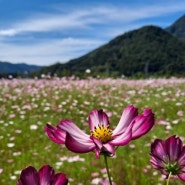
column 145, row 52
column 178, row 28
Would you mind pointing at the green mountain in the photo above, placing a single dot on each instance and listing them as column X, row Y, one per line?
column 148, row 51
column 178, row 28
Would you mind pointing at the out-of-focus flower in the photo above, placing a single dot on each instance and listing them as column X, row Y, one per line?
column 102, row 139
column 45, row 176
column 168, row 156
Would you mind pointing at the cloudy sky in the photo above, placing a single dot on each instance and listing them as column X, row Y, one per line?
column 44, row 32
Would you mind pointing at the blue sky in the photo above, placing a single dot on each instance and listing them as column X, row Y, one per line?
column 44, row 32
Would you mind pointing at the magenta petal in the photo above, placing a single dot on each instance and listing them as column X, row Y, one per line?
column 129, row 113
column 181, row 159
column 123, row 138
column 182, row 176
column 98, row 118
column 174, row 147
column 55, row 134
column 159, row 150
column 97, row 142
column 109, row 148
column 97, row 153
column 142, row 124
column 45, row 175
column 79, row 145
column 59, row 179
column 157, row 163
column 29, row 176
column 69, row 127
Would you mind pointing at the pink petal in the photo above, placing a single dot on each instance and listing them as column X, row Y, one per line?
column 97, row 142
column 173, row 147
column 72, row 129
column 59, row 179
column 97, row 118
column 109, row 148
column 181, row 159
column 129, row 113
column 97, row 153
column 79, row 145
column 142, row 124
column 123, row 138
column 182, row 176
column 55, row 134
column 158, row 150
column 29, row 176
column 45, row 175
column 157, row 163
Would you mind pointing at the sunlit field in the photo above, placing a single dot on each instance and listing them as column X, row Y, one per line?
column 28, row 105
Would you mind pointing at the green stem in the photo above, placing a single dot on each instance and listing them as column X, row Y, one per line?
column 168, row 180
column 107, row 168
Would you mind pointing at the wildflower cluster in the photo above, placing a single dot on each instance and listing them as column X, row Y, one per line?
column 102, row 137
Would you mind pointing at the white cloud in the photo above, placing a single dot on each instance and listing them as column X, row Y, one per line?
column 84, row 18
column 103, row 21
column 47, row 52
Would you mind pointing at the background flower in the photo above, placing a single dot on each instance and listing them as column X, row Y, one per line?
column 168, row 156
column 45, row 176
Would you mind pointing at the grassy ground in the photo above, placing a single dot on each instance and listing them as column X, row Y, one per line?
column 27, row 105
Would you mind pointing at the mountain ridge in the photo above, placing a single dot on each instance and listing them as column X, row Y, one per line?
column 147, row 51
column 143, row 52
column 19, row 68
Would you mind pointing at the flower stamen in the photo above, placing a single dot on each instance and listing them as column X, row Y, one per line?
column 104, row 134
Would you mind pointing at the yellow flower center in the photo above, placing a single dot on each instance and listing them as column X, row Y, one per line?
column 102, row 133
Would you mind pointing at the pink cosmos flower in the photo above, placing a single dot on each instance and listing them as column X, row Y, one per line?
column 102, row 139
column 45, row 176
column 168, row 156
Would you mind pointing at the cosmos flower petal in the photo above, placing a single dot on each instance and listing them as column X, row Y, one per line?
column 45, row 174
column 55, row 134
column 59, row 179
column 157, row 163
column 182, row 176
column 97, row 142
column 158, row 150
column 142, row 124
column 79, row 145
column 182, row 157
column 97, row 118
column 28, row 176
column 69, row 127
column 97, row 152
column 109, row 148
column 129, row 113
column 174, row 147
column 123, row 138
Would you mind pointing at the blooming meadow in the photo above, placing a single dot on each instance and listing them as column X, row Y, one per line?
column 27, row 105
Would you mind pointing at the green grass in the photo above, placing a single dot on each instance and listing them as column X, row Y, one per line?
column 36, row 102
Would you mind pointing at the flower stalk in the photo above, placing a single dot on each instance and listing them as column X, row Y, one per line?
column 168, row 179
column 107, row 168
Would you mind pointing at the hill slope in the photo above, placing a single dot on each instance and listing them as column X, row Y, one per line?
column 149, row 50
column 178, row 28
column 9, row 68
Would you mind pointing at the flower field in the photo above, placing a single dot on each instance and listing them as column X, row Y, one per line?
column 27, row 105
